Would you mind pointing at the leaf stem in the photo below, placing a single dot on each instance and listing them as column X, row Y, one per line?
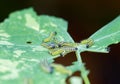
column 84, row 72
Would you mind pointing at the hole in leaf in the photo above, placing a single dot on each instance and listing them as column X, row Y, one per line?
column 29, row 42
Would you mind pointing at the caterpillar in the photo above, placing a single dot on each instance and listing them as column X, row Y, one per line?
column 61, row 69
column 50, row 37
column 49, row 68
column 50, row 45
column 45, row 66
column 69, row 44
column 56, row 51
column 88, row 42
column 62, row 51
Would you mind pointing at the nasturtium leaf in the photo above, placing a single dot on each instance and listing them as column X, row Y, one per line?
column 21, row 35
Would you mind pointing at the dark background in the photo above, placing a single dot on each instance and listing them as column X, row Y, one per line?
column 85, row 17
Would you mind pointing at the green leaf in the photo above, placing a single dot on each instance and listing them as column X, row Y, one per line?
column 21, row 52
column 21, row 36
column 107, row 35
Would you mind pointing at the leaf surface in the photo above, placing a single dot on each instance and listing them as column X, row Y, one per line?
column 21, row 36
column 105, row 36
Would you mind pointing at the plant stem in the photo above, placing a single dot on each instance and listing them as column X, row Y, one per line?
column 84, row 73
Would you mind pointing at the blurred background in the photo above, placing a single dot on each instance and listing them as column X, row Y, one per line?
column 85, row 17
